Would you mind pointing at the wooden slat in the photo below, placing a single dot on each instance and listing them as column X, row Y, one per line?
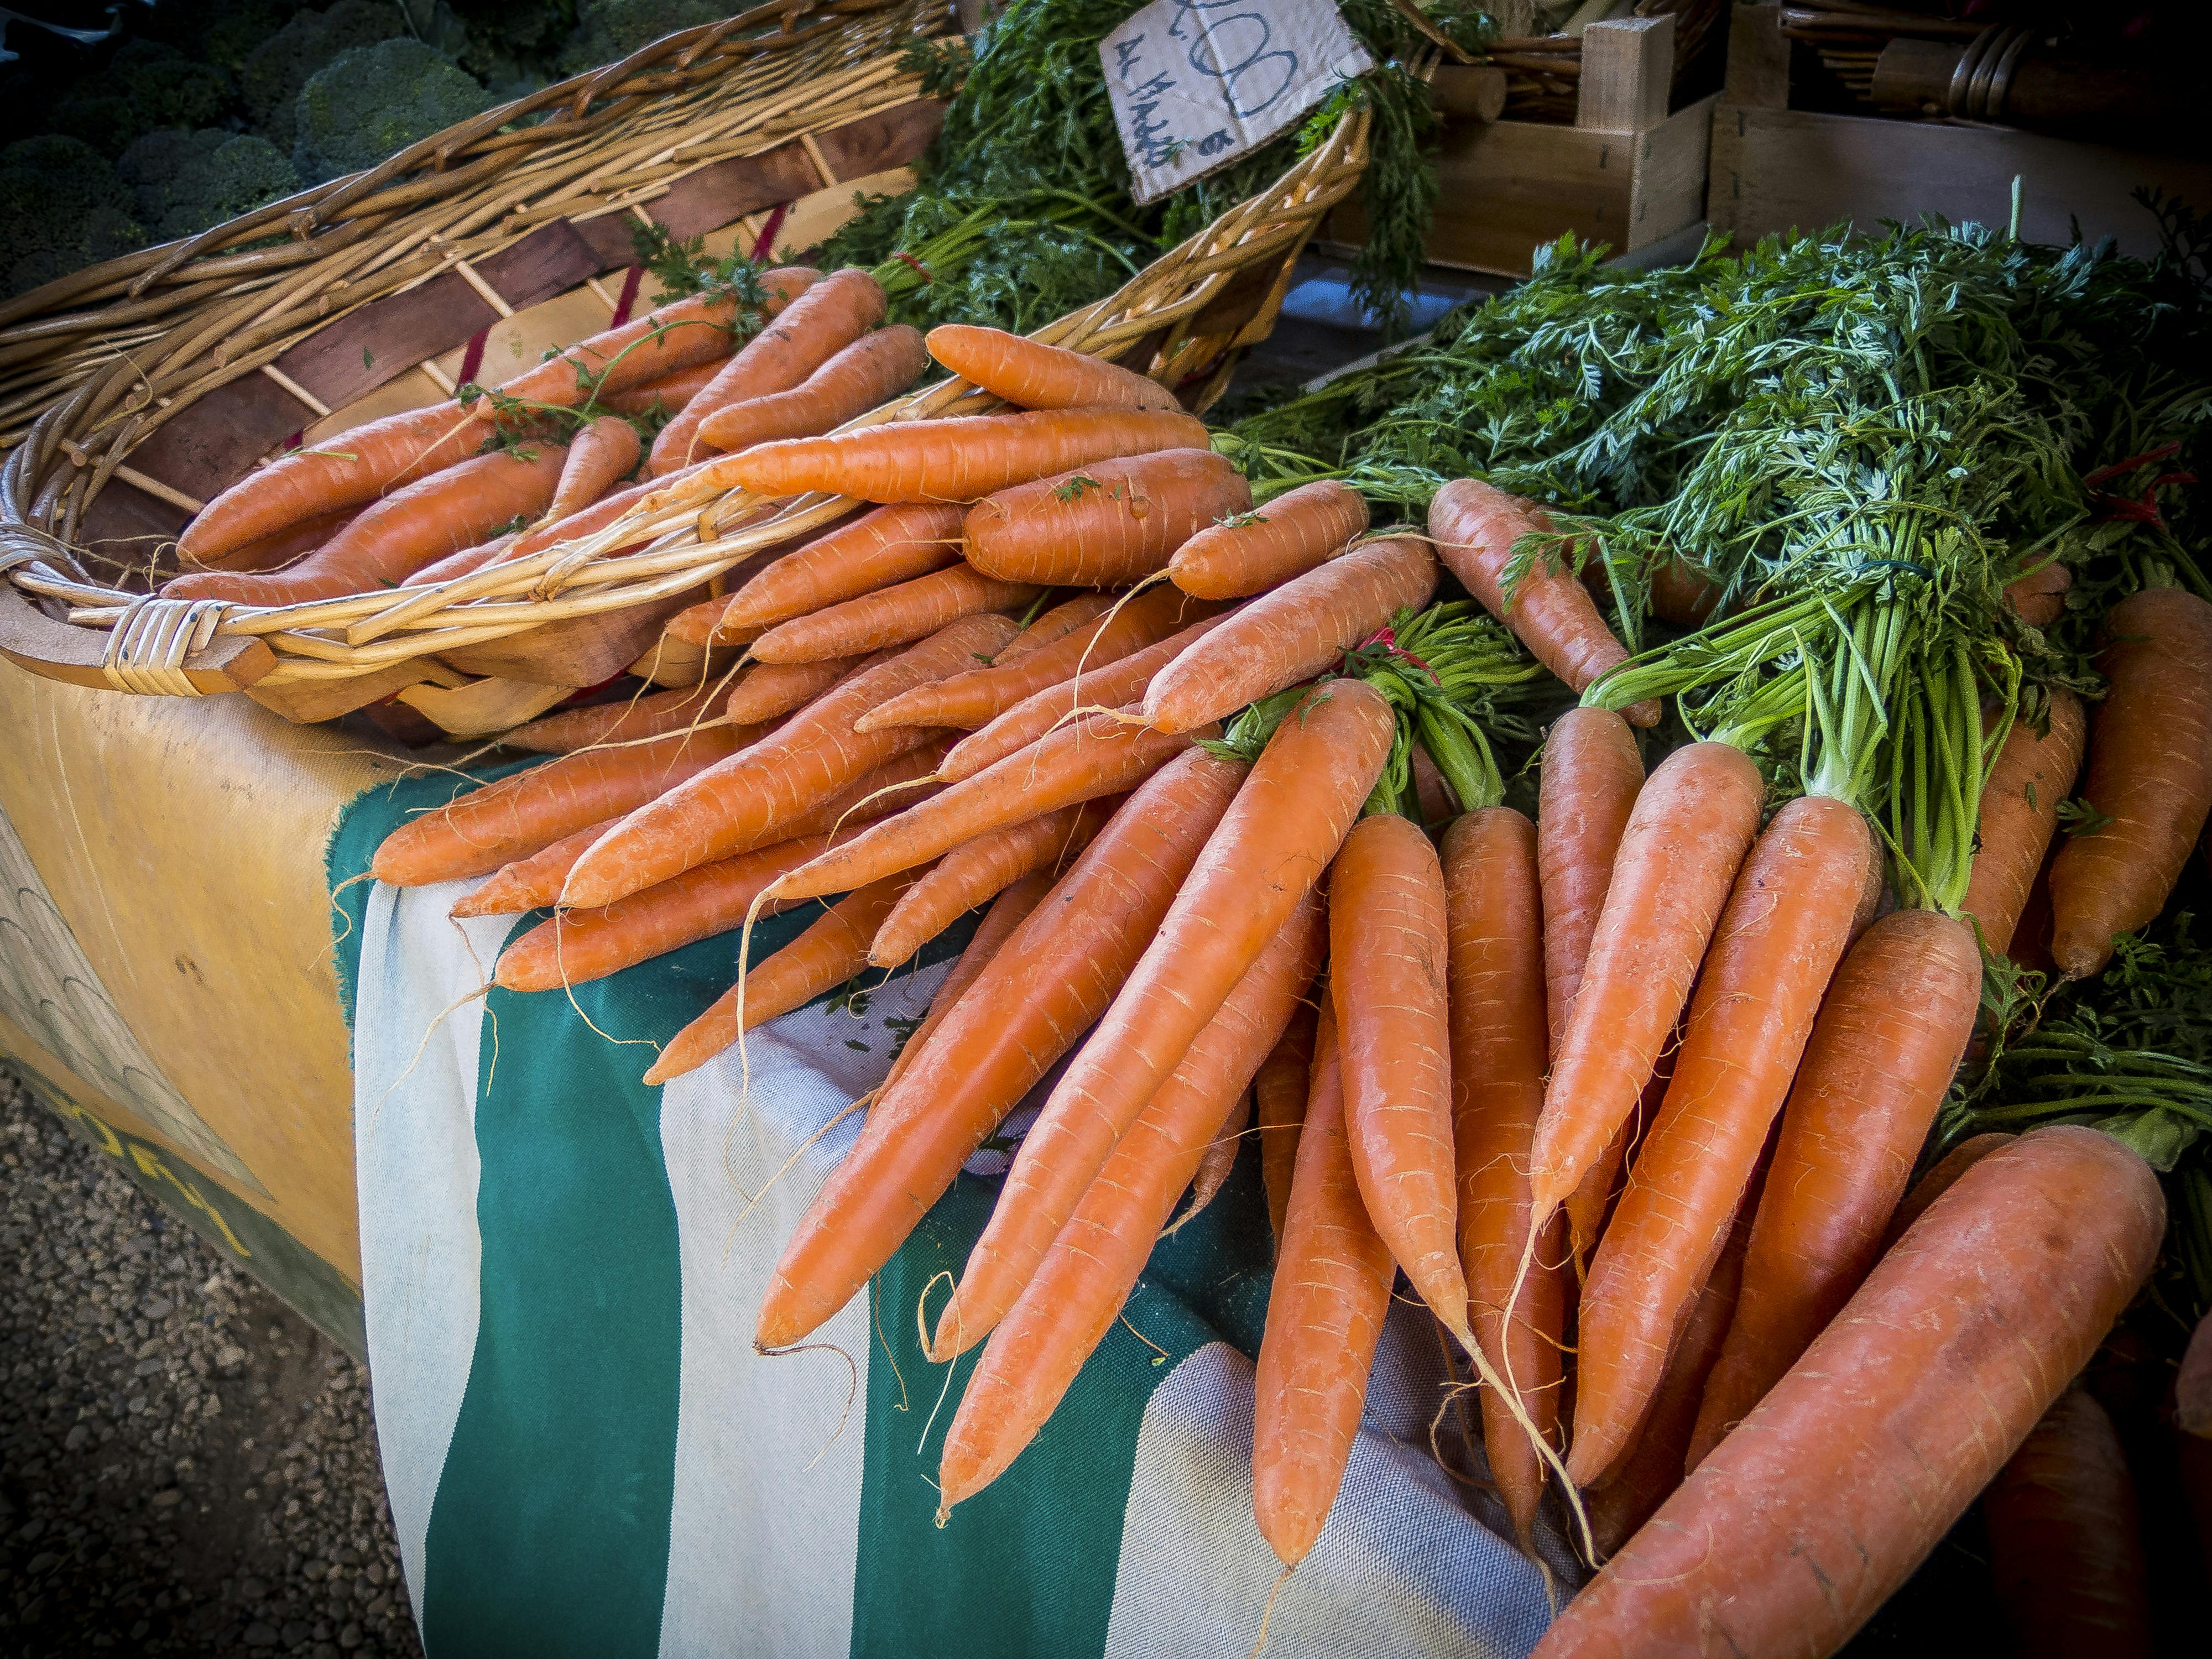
column 216, row 441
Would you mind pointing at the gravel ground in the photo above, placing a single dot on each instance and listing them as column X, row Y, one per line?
column 186, row 1466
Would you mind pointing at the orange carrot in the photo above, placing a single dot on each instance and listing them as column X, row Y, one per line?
column 1679, row 595
column 1387, row 951
column 1692, row 824
column 1288, row 822
column 1594, row 1196
column 2150, row 776
column 1889, row 1037
column 2032, row 775
column 806, row 761
column 1279, row 1106
column 981, row 695
column 461, row 563
column 1498, row 1051
column 1105, row 524
column 280, row 548
column 622, row 720
column 819, row 960
column 518, row 815
column 1292, row 634
column 2039, row 598
column 960, row 459
column 1031, row 375
column 600, row 456
column 871, row 370
column 1862, row 1457
column 449, row 510
column 1007, row 912
column 1939, row 1179
column 1254, row 551
column 529, row 882
column 811, row 328
column 976, row 872
column 1217, row 1162
column 1092, row 1266
column 1475, row 527
column 670, row 393
column 768, row 689
column 1588, row 788
column 889, row 545
column 1778, row 942
column 892, row 616
column 1055, row 625
column 1049, row 981
column 1325, row 1312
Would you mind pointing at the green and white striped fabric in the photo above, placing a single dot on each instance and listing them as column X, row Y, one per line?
column 585, row 1457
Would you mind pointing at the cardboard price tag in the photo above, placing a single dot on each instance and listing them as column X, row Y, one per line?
column 1197, row 83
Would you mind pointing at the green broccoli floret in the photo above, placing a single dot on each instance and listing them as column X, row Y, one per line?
column 514, row 45
column 184, row 182
column 220, row 31
column 608, row 30
column 62, row 208
column 145, row 87
column 366, row 103
column 276, row 71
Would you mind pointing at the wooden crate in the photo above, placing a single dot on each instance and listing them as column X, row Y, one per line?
column 1626, row 173
column 1775, row 168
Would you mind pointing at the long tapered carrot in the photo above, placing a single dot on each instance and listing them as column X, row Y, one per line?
column 976, row 698
column 1387, row 982
column 1498, row 1054
column 820, row 959
column 1692, row 824
column 348, row 468
column 1940, row 1179
column 1055, row 625
column 1804, row 1521
column 1594, row 1195
column 1105, row 524
column 1587, row 788
column 1080, row 1286
column 529, row 882
column 829, row 315
column 807, row 760
column 878, row 549
column 2150, row 776
column 459, row 564
column 1050, row 981
column 622, row 720
column 1279, row 1109
column 1679, row 595
column 1032, row 375
column 1115, row 686
column 603, row 452
column 1778, row 943
column 520, row 814
column 669, row 394
column 768, row 689
column 1270, row 849
column 1007, row 912
column 976, row 872
column 1889, row 1036
column 2030, row 778
column 278, row 549
column 892, row 616
column 1325, row 1312
column 963, row 459
column 1251, row 552
column 871, row 370
column 450, row 510
column 596, row 517
column 1290, row 635
column 1216, row 1162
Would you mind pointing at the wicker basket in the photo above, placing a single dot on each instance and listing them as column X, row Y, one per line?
column 166, row 375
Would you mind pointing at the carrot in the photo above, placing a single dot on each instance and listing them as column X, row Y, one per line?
column 1387, row 949
column 768, row 689
column 348, row 468
column 1007, row 912
column 1586, row 792
column 1050, row 981
column 976, row 872
column 2066, row 1545
column 1292, row 634
column 981, row 695
column 518, row 815
column 1474, row 526
column 1216, row 1164
column 2039, row 598
column 529, row 882
column 459, row 564
column 1325, row 1312
column 960, row 459
column 1804, row 1520
column 670, row 393
column 889, row 545
column 892, row 616
column 1055, row 625
column 1028, row 721
column 1105, row 524
column 1086, row 1277
column 1279, row 1105
column 683, row 332
column 1434, row 803
column 600, row 456
column 1679, row 595
column 819, row 960
column 1889, row 1036
column 622, row 720
column 1783, row 931
column 2192, row 1384
column 806, row 762
column 1033, row 375
column 1939, row 1179
column 871, row 370
column 279, row 548
column 1498, row 1054
column 812, row 328
column 1251, row 552
column 2032, row 775
column 1692, row 824
column 1288, row 822
column 2150, row 776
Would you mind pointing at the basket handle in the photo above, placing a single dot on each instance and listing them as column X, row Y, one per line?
column 82, row 656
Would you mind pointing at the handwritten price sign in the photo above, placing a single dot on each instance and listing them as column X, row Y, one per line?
column 1197, row 83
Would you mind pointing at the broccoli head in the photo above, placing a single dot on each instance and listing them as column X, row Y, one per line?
column 146, row 86
column 219, row 31
column 181, row 183
column 277, row 70
column 366, row 103
column 62, row 208
column 608, row 30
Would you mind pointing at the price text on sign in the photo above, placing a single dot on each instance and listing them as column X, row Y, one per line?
column 1197, row 83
